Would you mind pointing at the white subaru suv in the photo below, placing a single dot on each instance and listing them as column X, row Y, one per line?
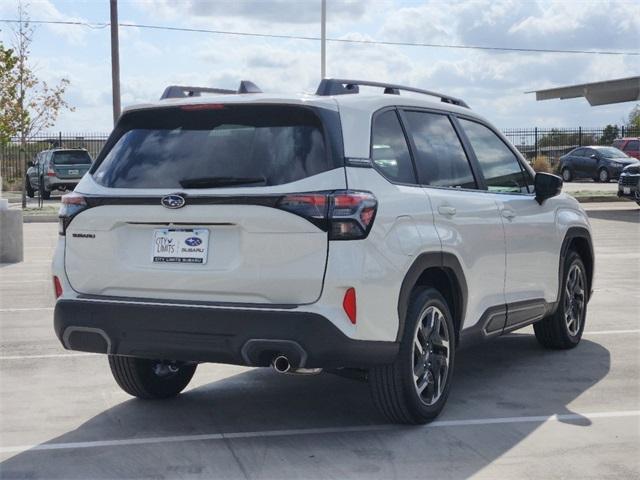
column 369, row 234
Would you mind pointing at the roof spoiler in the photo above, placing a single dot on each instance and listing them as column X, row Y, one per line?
column 178, row 91
column 338, row 86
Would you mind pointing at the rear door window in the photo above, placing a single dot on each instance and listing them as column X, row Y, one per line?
column 440, row 158
column 500, row 166
column 209, row 146
column 71, row 158
column 389, row 150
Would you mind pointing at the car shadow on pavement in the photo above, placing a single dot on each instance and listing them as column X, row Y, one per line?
column 632, row 216
column 511, row 377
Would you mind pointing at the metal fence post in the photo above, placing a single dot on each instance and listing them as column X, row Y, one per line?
column 622, row 131
column 536, row 141
column 579, row 136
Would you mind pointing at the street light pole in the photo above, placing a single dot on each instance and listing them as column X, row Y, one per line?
column 323, row 40
column 115, row 60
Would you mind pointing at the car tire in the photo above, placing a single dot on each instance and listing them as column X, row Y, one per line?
column 44, row 193
column 567, row 175
column 603, row 175
column 28, row 188
column 563, row 329
column 427, row 346
column 150, row 379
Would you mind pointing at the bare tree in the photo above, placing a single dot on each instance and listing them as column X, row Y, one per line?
column 36, row 106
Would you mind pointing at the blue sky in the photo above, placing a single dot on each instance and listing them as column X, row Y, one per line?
column 492, row 83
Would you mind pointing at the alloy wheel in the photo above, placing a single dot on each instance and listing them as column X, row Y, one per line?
column 574, row 300
column 431, row 354
column 604, row 175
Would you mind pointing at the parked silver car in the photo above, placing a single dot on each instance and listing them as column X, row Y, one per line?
column 56, row 169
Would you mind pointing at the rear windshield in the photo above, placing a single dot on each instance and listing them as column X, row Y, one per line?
column 71, row 158
column 209, row 146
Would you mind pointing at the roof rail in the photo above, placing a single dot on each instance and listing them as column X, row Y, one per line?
column 177, row 91
column 339, row 86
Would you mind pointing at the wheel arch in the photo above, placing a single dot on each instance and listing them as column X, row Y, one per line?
column 577, row 239
column 443, row 272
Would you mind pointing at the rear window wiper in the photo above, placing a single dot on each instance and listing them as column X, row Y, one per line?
column 211, row 182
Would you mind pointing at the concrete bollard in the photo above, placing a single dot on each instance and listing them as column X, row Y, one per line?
column 11, row 245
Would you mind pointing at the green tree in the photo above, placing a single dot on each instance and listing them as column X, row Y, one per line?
column 34, row 105
column 609, row 134
column 634, row 117
column 7, row 93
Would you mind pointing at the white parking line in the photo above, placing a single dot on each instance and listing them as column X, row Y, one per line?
column 52, row 355
column 311, row 431
column 29, row 309
column 611, row 332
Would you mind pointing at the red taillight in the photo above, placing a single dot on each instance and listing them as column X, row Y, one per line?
column 51, row 173
column 346, row 215
column 57, row 286
column 72, row 204
column 73, row 198
column 349, row 304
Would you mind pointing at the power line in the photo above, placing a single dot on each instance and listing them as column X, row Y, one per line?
column 335, row 40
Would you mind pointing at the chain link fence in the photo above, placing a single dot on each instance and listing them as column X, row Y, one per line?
column 533, row 143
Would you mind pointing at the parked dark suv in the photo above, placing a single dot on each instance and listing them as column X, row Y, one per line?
column 600, row 163
column 56, row 169
column 629, row 182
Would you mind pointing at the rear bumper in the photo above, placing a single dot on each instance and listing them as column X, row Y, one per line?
column 53, row 183
column 212, row 334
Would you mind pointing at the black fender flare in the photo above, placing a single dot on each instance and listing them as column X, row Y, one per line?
column 444, row 260
column 573, row 233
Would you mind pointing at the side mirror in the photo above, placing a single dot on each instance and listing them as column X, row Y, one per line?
column 594, row 156
column 547, row 186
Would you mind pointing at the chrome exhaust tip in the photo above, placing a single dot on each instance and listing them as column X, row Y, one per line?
column 281, row 364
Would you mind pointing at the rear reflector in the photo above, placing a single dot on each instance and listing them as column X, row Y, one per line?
column 349, row 304
column 57, row 286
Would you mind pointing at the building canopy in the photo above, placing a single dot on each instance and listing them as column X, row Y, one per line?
column 596, row 93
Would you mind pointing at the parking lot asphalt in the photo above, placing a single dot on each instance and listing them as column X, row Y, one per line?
column 515, row 410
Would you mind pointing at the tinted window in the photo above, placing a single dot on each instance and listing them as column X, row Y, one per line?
column 633, row 145
column 610, row 152
column 579, row 152
column 500, row 167
column 71, row 158
column 215, row 146
column 389, row 150
column 441, row 160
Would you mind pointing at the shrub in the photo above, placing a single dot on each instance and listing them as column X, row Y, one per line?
column 542, row 164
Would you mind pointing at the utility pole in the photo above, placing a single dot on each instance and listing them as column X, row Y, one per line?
column 115, row 60
column 323, row 40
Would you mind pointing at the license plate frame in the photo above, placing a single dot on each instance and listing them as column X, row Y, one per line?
column 73, row 172
column 180, row 246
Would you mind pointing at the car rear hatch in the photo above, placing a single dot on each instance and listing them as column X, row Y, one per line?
column 202, row 203
column 70, row 164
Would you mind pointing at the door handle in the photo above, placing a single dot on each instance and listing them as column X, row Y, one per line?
column 446, row 210
column 506, row 213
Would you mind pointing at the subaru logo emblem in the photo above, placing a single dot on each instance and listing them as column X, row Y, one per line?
column 173, row 201
column 193, row 241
